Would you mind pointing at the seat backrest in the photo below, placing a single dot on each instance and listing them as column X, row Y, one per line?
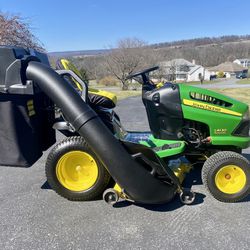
column 64, row 64
column 96, row 96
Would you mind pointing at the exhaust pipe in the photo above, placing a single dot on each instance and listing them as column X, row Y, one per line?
column 137, row 182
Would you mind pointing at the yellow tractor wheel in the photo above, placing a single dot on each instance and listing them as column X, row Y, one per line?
column 226, row 175
column 74, row 172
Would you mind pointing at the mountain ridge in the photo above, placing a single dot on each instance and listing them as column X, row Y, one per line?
column 184, row 43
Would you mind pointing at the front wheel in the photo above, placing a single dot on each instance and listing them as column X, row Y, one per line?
column 226, row 175
column 74, row 172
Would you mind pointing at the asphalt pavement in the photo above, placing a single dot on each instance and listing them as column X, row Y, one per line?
column 32, row 216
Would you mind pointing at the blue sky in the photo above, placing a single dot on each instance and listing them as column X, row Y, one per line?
column 84, row 24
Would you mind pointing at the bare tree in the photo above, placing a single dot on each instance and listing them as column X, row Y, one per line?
column 16, row 32
column 94, row 65
column 172, row 71
column 129, row 55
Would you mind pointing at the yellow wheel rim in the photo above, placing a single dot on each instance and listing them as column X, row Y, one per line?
column 77, row 171
column 230, row 179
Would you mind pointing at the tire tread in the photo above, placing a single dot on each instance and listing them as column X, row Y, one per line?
column 212, row 162
column 71, row 142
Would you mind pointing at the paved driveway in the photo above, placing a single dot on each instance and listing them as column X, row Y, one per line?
column 33, row 217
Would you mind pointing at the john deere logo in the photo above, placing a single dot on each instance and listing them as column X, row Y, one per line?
column 210, row 107
column 220, row 131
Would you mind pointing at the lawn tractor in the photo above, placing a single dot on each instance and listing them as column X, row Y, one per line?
column 189, row 126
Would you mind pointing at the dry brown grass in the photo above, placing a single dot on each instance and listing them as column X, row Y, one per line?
column 122, row 94
column 241, row 94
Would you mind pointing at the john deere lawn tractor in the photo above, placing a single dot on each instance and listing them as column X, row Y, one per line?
column 186, row 123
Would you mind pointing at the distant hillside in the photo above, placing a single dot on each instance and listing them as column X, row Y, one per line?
column 78, row 53
column 207, row 51
column 196, row 42
column 188, row 43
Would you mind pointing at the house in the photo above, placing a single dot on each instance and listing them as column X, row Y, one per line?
column 229, row 68
column 182, row 70
column 197, row 72
column 243, row 62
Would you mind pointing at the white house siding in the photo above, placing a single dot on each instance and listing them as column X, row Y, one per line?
column 194, row 75
column 184, row 70
column 243, row 62
column 181, row 77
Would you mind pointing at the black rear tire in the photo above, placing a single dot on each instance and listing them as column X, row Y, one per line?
column 75, row 144
column 226, row 175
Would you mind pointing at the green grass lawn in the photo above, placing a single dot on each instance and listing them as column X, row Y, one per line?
column 244, row 81
column 199, row 83
column 122, row 94
column 241, row 94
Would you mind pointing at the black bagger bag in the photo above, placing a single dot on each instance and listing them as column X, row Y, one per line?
column 25, row 129
column 26, row 113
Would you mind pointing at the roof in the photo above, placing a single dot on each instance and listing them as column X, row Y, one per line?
column 227, row 67
column 193, row 69
column 242, row 59
column 176, row 62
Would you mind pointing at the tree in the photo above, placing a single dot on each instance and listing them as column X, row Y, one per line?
column 15, row 31
column 173, row 71
column 93, row 65
column 201, row 77
column 84, row 75
column 129, row 55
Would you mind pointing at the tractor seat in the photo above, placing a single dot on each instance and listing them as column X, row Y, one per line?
column 96, row 98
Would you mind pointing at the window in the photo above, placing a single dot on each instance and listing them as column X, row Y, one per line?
column 181, row 76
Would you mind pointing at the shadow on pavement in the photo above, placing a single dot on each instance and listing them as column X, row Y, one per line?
column 46, row 185
column 247, row 199
column 247, row 156
column 193, row 178
column 170, row 206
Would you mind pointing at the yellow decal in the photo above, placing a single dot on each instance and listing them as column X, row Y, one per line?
column 30, row 107
column 32, row 113
column 210, row 107
column 30, row 103
column 220, row 131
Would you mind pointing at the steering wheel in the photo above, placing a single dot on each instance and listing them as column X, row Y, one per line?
column 143, row 72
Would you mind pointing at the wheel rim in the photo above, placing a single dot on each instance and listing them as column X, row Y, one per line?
column 77, row 171
column 230, row 179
